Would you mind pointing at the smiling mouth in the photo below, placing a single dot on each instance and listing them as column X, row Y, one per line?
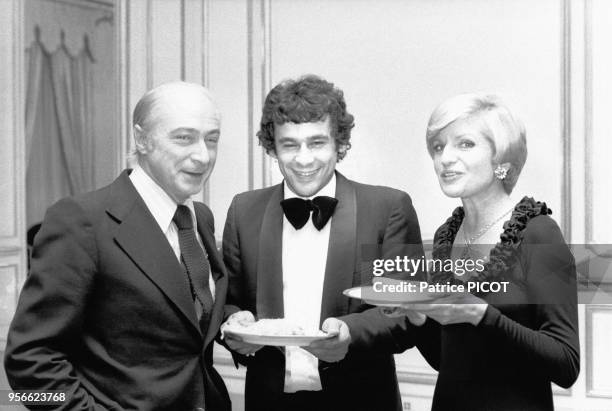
column 194, row 174
column 450, row 174
column 305, row 173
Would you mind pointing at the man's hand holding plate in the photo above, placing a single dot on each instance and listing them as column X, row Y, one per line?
column 242, row 318
column 335, row 347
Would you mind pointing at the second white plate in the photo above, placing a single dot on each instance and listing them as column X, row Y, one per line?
column 277, row 340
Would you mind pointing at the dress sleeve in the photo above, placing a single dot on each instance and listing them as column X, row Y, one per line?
column 550, row 276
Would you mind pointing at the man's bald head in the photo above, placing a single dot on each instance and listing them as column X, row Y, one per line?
column 173, row 93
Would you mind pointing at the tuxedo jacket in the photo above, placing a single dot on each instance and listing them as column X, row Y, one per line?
column 106, row 314
column 252, row 249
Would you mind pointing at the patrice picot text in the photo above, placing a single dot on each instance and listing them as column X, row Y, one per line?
column 425, row 287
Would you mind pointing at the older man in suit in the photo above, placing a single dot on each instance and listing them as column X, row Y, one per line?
column 291, row 250
column 126, row 289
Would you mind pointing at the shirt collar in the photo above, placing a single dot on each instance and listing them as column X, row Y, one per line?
column 328, row 190
column 159, row 203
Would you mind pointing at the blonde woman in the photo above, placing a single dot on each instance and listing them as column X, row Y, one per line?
column 496, row 350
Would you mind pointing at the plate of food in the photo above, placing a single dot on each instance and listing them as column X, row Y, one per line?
column 386, row 292
column 275, row 332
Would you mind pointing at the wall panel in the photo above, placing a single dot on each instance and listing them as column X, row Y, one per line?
column 228, row 43
column 598, row 96
column 599, row 357
column 194, row 41
column 138, row 58
column 166, row 36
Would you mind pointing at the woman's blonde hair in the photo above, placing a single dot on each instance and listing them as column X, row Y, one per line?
column 505, row 132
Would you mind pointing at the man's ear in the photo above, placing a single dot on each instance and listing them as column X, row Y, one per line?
column 140, row 138
column 272, row 153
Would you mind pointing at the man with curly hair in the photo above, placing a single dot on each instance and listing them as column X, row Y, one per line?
column 291, row 250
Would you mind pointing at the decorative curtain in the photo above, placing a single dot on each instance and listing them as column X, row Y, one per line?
column 59, row 131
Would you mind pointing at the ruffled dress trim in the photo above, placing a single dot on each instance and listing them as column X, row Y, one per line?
column 505, row 253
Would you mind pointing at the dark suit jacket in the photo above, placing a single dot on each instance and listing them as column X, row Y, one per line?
column 252, row 250
column 106, row 313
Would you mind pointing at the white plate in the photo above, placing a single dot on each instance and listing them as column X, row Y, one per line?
column 276, row 340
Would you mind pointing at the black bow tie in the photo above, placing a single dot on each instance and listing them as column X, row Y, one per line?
column 297, row 211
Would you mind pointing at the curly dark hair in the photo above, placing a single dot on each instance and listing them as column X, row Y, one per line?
column 307, row 99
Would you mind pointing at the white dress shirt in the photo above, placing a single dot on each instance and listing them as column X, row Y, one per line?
column 304, row 258
column 162, row 207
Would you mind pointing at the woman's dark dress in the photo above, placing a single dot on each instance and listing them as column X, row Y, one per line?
column 508, row 361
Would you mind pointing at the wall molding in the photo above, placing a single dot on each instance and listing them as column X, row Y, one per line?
column 18, row 116
column 9, row 251
column 259, row 57
column 86, row 4
column 122, row 33
column 266, row 78
column 16, row 243
column 205, row 24
column 566, row 110
column 591, row 391
column 183, row 68
column 588, row 121
column 250, row 95
column 205, row 18
column 149, row 43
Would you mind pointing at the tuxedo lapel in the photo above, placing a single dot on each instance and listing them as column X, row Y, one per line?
column 142, row 240
column 217, row 271
column 269, row 265
column 341, row 251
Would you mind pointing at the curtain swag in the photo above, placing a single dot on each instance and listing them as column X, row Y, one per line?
column 60, row 143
